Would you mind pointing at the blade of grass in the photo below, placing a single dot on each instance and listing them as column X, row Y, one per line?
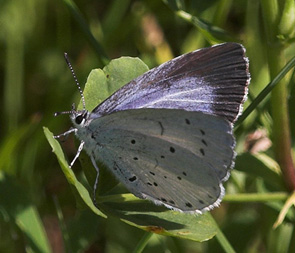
column 266, row 91
column 16, row 202
column 290, row 202
column 211, row 33
column 143, row 242
column 63, row 227
column 224, row 243
column 102, row 56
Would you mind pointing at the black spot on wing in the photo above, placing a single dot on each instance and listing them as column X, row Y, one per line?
column 188, row 204
column 132, row 179
column 164, row 200
column 204, row 142
column 202, row 151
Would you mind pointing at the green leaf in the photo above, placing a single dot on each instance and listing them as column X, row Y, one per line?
column 123, row 70
column 10, row 144
column 16, row 205
column 80, row 192
column 259, row 166
column 146, row 215
column 101, row 83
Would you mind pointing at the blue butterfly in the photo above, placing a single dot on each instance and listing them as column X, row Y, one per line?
column 168, row 134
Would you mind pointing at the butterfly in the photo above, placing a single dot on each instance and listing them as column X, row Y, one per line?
column 167, row 135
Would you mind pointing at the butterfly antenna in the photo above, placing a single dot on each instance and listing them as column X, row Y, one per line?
column 76, row 80
column 59, row 113
column 66, row 112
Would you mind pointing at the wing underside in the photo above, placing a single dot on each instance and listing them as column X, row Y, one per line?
column 173, row 157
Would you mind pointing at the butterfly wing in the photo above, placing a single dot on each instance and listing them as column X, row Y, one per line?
column 174, row 157
column 212, row 80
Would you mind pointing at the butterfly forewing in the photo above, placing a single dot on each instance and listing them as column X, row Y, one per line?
column 211, row 80
column 174, row 157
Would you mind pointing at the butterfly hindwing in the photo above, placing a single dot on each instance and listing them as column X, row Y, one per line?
column 173, row 157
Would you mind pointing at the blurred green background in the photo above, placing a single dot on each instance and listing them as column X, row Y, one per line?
column 38, row 212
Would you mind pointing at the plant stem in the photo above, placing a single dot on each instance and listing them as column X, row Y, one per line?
column 279, row 99
column 143, row 242
column 256, row 197
column 281, row 123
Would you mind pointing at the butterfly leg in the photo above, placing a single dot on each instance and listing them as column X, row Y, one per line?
column 65, row 133
column 96, row 180
column 78, row 153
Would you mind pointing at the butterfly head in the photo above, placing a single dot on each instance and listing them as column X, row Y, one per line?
column 79, row 118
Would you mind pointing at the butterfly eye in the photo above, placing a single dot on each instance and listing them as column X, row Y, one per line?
column 79, row 119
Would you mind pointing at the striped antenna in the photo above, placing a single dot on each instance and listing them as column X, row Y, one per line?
column 76, row 80
column 66, row 112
